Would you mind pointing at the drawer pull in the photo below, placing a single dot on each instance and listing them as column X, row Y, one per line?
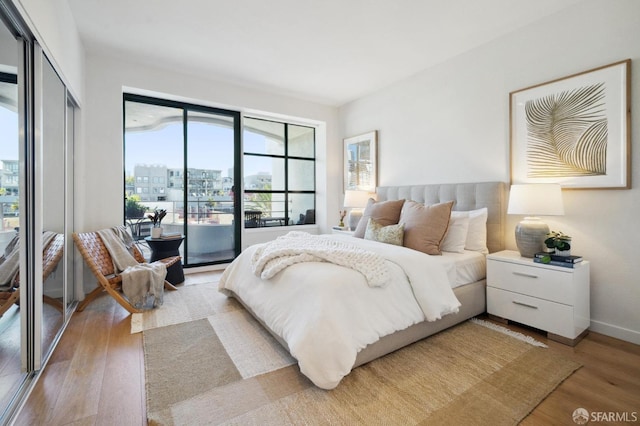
column 525, row 304
column 522, row 274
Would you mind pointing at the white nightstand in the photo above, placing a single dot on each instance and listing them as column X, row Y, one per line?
column 345, row 232
column 551, row 298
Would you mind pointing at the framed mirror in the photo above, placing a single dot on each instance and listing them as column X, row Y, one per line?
column 361, row 162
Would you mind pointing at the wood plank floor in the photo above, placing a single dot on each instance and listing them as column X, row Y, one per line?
column 96, row 374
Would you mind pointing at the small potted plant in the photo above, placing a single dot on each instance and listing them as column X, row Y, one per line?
column 156, row 218
column 558, row 243
column 343, row 213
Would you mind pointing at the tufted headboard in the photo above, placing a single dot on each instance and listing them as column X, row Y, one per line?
column 467, row 196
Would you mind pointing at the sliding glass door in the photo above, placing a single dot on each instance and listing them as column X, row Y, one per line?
column 183, row 158
column 211, row 149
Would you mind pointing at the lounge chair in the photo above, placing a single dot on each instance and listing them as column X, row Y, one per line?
column 51, row 256
column 97, row 257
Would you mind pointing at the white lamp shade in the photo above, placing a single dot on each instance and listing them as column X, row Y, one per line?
column 544, row 199
column 356, row 199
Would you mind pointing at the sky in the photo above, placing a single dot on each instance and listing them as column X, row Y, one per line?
column 210, row 147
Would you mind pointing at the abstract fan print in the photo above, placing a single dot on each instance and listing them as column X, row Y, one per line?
column 567, row 133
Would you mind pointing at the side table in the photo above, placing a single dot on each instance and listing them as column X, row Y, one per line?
column 345, row 232
column 167, row 247
column 551, row 298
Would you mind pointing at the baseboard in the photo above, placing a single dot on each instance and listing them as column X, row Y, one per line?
column 618, row 332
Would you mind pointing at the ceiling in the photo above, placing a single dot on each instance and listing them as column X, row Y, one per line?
column 325, row 51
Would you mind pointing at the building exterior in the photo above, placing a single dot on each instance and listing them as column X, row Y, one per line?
column 156, row 182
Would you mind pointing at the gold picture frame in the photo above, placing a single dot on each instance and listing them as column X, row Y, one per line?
column 361, row 162
column 574, row 131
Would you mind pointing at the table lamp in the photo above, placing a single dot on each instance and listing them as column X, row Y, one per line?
column 534, row 200
column 356, row 201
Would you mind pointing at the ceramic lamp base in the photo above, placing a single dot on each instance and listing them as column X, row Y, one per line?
column 530, row 235
column 354, row 217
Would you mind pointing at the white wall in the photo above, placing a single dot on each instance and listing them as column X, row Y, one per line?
column 55, row 30
column 100, row 154
column 450, row 123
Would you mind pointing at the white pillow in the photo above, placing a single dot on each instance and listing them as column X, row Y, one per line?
column 477, row 233
column 456, row 237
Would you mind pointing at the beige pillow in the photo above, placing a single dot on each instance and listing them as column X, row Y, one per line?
column 425, row 226
column 384, row 212
column 391, row 234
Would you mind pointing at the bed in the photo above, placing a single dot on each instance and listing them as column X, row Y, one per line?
column 333, row 319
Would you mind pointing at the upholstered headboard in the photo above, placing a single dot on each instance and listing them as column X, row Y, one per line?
column 467, row 196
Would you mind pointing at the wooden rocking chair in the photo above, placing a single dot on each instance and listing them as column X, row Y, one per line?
column 96, row 255
column 51, row 255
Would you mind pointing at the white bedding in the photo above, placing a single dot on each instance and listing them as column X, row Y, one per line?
column 464, row 268
column 326, row 313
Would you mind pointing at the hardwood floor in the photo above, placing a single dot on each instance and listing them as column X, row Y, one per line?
column 96, row 374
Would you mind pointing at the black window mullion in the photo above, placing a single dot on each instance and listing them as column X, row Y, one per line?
column 185, row 183
column 286, row 174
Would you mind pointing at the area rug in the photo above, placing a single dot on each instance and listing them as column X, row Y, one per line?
column 188, row 303
column 227, row 369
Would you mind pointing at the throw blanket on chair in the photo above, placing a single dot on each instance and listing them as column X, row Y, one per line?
column 296, row 247
column 139, row 280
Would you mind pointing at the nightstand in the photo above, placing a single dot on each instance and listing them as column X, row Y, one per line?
column 554, row 299
column 344, row 232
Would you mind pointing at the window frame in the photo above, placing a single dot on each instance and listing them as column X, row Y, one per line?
column 288, row 221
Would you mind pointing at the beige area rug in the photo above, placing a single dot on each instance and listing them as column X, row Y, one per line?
column 227, row 369
column 188, row 303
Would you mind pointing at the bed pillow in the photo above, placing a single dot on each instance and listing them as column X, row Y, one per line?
column 384, row 212
column 425, row 226
column 390, row 234
column 456, row 237
column 477, row 233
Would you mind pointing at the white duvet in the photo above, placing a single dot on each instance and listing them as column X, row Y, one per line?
column 326, row 313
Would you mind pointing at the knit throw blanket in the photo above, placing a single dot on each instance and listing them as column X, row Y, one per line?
column 139, row 280
column 296, row 247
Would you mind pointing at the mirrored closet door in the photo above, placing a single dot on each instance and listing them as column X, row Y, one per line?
column 50, row 143
column 37, row 120
column 11, row 348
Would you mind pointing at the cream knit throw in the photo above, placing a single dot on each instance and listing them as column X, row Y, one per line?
column 296, row 247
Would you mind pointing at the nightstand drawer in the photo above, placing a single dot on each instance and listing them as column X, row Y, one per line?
column 553, row 285
column 549, row 316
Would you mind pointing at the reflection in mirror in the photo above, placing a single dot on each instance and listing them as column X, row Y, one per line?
column 54, row 104
column 11, row 376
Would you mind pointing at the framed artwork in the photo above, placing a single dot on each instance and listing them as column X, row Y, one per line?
column 360, row 162
column 575, row 131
